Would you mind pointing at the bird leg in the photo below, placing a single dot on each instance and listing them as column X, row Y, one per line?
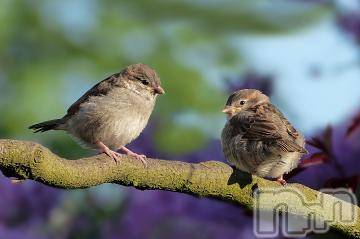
column 127, row 151
column 281, row 180
column 104, row 149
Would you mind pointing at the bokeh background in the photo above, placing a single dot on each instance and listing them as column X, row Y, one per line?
column 304, row 54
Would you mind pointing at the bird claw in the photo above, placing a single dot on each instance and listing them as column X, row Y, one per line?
column 112, row 154
column 140, row 157
column 115, row 155
column 281, row 181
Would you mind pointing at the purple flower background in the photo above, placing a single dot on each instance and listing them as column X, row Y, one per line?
column 32, row 210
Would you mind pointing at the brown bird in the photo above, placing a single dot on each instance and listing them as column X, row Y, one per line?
column 257, row 138
column 113, row 112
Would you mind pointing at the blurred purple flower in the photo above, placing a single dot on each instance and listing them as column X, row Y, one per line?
column 25, row 208
column 350, row 23
column 18, row 233
column 159, row 214
column 341, row 164
column 354, row 126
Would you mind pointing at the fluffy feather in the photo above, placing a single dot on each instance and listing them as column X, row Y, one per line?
column 257, row 138
column 113, row 112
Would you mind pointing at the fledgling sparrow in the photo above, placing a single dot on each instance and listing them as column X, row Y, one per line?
column 113, row 112
column 257, row 138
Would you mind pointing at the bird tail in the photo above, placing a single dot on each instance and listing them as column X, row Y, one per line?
column 47, row 125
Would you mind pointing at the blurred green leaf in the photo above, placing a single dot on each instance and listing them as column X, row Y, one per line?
column 176, row 139
column 52, row 51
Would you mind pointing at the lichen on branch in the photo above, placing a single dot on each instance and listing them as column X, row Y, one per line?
column 211, row 179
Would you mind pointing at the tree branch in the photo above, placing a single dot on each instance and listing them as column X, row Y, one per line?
column 211, row 179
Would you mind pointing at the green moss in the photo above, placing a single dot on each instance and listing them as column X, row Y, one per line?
column 208, row 179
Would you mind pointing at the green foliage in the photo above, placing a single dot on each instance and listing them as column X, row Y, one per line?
column 52, row 51
column 179, row 139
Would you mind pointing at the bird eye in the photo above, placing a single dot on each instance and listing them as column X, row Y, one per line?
column 242, row 102
column 142, row 80
column 145, row 82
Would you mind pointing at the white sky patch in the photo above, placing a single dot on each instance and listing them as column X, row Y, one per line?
column 76, row 18
column 348, row 5
column 317, row 101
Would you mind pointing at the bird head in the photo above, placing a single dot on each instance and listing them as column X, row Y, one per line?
column 143, row 79
column 243, row 100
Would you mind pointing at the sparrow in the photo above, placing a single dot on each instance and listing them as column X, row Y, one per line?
column 112, row 113
column 257, row 138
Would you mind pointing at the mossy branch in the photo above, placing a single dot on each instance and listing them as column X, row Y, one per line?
column 211, row 179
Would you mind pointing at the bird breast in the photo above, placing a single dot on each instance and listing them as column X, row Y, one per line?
column 114, row 119
column 255, row 156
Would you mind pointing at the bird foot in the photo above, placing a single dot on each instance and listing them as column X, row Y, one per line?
column 281, row 180
column 128, row 152
column 104, row 149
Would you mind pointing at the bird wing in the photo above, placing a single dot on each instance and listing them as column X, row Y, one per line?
column 267, row 128
column 101, row 88
column 289, row 128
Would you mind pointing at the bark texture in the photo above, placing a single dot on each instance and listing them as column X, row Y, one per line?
column 211, row 179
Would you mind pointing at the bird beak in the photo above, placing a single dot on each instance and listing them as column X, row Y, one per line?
column 229, row 110
column 158, row 90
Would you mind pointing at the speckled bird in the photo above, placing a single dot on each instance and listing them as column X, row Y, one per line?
column 113, row 112
column 257, row 138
